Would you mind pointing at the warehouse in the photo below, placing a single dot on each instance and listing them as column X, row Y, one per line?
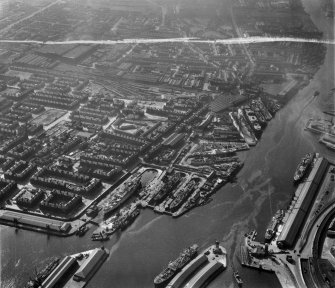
column 87, row 269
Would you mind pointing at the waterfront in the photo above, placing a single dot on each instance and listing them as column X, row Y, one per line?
column 264, row 184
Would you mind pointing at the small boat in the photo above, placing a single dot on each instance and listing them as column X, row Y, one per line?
column 100, row 237
column 82, row 230
column 238, row 279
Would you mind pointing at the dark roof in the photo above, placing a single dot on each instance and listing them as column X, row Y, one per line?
column 223, row 102
column 173, row 139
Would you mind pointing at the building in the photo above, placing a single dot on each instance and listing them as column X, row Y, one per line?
column 87, row 269
column 59, row 272
column 173, row 140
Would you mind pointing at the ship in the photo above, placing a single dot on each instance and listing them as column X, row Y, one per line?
column 175, row 266
column 250, row 116
column 238, row 279
column 118, row 198
column 43, row 274
column 183, row 194
column 303, row 167
column 167, row 188
column 128, row 218
column 271, row 230
column 202, row 269
column 100, row 237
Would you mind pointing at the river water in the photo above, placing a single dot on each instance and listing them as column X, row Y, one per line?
column 264, row 185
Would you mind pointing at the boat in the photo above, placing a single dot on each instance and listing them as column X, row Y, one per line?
column 43, row 274
column 175, row 266
column 128, row 218
column 167, row 188
column 303, row 167
column 202, row 268
column 100, row 237
column 238, row 279
column 121, row 195
column 271, row 230
column 183, row 194
column 82, row 230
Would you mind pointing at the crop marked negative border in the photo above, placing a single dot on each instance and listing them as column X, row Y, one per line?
column 245, row 40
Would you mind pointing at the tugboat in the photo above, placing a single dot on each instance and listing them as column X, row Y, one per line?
column 303, row 167
column 238, row 279
column 82, row 230
column 175, row 266
column 100, row 237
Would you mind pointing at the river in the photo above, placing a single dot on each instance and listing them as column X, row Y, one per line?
column 264, row 185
